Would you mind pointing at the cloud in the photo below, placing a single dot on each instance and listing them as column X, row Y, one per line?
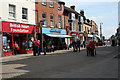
column 90, row 0
column 108, row 31
column 96, row 17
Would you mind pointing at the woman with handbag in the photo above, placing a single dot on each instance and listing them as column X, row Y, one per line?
column 16, row 48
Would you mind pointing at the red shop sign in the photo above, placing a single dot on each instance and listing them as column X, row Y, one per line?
column 12, row 27
column 68, row 28
column 81, row 35
column 86, row 35
column 73, row 34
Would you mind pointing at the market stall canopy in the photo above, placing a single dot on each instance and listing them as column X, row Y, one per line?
column 56, row 35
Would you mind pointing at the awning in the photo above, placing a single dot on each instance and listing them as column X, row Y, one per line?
column 57, row 35
column 90, row 35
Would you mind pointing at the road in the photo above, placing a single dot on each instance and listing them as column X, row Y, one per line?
column 66, row 64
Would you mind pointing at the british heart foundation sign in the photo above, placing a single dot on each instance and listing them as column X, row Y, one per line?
column 11, row 27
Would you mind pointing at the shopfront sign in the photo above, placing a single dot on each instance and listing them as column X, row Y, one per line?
column 86, row 35
column 11, row 27
column 68, row 28
column 53, row 31
column 73, row 34
column 81, row 35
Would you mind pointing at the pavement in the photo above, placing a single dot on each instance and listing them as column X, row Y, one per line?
column 63, row 64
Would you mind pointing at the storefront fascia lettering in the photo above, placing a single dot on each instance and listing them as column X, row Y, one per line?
column 53, row 31
column 17, row 27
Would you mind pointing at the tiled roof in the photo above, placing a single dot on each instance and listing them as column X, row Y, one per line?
column 71, row 10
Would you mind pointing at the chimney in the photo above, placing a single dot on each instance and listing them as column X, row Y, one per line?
column 82, row 12
column 72, row 7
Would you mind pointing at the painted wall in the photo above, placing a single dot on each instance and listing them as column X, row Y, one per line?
column 30, row 5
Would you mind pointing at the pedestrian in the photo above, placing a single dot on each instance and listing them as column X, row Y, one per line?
column 16, row 48
column 87, row 47
column 84, row 44
column 39, row 48
column 33, row 45
column 44, row 46
column 92, row 47
column 78, row 45
column 74, row 45
column 37, row 44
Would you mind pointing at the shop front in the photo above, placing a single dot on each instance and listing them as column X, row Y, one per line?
column 55, row 37
column 20, row 33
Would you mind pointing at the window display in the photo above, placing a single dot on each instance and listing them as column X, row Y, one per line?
column 7, row 42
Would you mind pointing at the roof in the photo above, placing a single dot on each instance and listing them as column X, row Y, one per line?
column 71, row 10
column 61, row 2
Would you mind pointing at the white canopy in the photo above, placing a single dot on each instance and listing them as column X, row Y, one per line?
column 57, row 35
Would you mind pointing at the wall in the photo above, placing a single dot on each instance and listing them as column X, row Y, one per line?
column 46, row 9
column 26, row 4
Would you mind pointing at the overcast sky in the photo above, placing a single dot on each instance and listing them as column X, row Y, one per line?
column 105, row 11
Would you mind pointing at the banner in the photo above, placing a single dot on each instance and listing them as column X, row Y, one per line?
column 12, row 27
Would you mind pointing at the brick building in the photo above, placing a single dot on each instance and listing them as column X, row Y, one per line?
column 50, row 22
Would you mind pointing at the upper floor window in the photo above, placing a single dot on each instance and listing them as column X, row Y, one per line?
column 51, row 4
column 70, row 16
column 44, row 18
column 52, row 20
column 59, row 6
column 24, row 13
column 43, row 2
column 70, row 24
column 73, row 25
column 60, row 22
column 12, row 11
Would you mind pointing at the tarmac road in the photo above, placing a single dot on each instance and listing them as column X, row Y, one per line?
column 64, row 64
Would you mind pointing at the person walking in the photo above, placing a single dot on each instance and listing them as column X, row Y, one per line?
column 33, row 46
column 39, row 48
column 87, row 47
column 84, row 44
column 44, row 46
column 92, row 47
column 37, row 44
column 16, row 48
column 78, row 45
column 74, row 45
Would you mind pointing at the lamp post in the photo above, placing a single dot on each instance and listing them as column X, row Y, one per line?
column 101, row 31
column 1, row 42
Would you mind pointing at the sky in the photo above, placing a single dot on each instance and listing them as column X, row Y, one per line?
column 101, row 11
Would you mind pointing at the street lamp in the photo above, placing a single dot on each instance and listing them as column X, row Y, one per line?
column 101, row 30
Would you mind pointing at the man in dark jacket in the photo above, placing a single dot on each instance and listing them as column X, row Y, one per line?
column 78, row 44
column 44, row 46
column 74, row 45
column 33, row 45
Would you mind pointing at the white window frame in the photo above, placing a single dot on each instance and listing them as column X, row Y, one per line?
column 59, row 7
column 44, row 19
column 60, row 21
column 51, row 3
column 12, row 12
column 74, row 29
column 25, row 14
column 52, row 25
column 44, row 2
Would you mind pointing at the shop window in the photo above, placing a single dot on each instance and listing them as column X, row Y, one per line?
column 44, row 18
column 7, row 42
column 60, row 22
column 30, row 41
column 59, row 6
column 51, row 4
column 24, row 13
column 12, row 11
column 70, row 24
column 23, row 42
column 52, row 20
column 44, row 2
column 73, row 25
